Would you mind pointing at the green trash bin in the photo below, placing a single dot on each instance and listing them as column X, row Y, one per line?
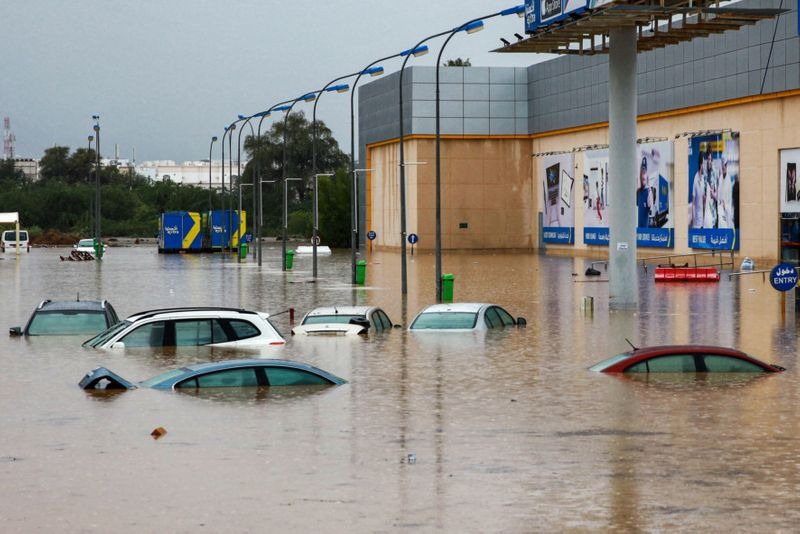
column 361, row 272
column 447, row 287
column 289, row 259
column 243, row 249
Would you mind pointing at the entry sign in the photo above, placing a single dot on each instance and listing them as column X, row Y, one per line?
column 413, row 238
column 783, row 277
column 371, row 235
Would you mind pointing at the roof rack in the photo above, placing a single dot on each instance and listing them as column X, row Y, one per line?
column 189, row 308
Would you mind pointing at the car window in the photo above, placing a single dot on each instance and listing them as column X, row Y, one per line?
column 673, row 363
column 193, row 332
column 67, row 323
column 147, row 335
column 218, row 333
column 387, row 323
column 280, row 376
column 445, row 320
column 243, row 329
column 491, row 318
column 504, row 316
column 228, row 378
column 328, row 319
column 724, row 364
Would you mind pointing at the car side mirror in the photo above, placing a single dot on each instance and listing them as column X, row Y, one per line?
column 15, row 331
column 521, row 321
column 118, row 345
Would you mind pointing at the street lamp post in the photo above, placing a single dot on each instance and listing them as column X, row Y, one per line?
column 222, row 182
column 372, row 70
column 230, row 130
column 471, row 26
column 315, row 233
column 98, row 230
column 210, row 205
column 328, row 88
column 308, row 97
column 239, row 177
column 88, row 178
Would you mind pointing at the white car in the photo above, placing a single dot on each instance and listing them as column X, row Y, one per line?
column 190, row 327
column 463, row 316
column 343, row 320
column 87, row 245
column 8, row 243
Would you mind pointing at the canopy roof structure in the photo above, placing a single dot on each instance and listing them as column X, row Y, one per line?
column 659, row 23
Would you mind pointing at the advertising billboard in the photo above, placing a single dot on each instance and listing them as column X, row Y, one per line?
column 558, row 181
column 790, row 200
column 540, row 13
column 714, row 191
column 595, row 197
column 655, row 225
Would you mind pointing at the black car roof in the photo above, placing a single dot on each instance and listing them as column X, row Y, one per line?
column 72, row 305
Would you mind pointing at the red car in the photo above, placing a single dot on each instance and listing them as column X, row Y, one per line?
column 684, row 359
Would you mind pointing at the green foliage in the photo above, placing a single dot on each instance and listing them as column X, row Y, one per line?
column 64, row 197
column 458, row 62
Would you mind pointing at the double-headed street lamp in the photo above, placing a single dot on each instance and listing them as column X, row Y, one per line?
column 471, row 26
column 239, row 177
column 98, row 232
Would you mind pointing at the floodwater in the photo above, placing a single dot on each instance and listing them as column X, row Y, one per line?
column 502, row 432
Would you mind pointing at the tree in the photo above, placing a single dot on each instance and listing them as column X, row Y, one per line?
column 458, row 62
column 53, row 165
column 268, row 155
column 334, row 209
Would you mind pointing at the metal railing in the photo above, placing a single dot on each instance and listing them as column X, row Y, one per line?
column 721, row 259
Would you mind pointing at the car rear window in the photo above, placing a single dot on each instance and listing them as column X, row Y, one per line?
column 243, row 329
column 328, row 319
column 445, row 320
column 10, row 235
column 279, row 376
column 66, row 323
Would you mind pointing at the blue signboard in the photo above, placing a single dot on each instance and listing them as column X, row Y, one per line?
column 783, row 277
column 371, row 235
column 598, row 235
column 413, row 238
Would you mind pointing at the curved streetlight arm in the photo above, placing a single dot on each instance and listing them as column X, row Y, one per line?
column 470, row 26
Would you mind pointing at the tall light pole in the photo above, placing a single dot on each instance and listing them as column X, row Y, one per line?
column 264, row 114
column 308, row 97
column 210, row 206
column 230, row 130
column 98, row 231
column 222, row 181
column 239, row 176
column 316, row 220
column 471, row 26
column 327, row 88
column 403, row 269
column 88, row 178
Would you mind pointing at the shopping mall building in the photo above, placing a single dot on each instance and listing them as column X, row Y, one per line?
column 524, row 157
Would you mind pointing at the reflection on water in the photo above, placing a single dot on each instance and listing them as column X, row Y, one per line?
column 508, row 429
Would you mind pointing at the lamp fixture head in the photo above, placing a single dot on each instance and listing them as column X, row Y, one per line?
column 214, row 138
column 516, row 10
column 472, row 27
column 418, row 51
column 308, row 97
column 242, row 117
column 341, row 88
column 373, row 71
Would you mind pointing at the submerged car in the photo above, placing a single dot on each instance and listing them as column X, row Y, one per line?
column 343, row 320
column 225, row 374
column 68, row 317
column 88, row 245
column 190, row 327
column 8, row 242
column 684, row 359
column 464, row 316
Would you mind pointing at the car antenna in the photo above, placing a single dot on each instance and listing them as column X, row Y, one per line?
column 634, row 347
column 79, row 296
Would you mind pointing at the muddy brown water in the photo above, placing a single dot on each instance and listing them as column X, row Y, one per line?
column 505, row 431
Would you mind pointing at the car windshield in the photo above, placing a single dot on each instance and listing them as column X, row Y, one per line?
column 609, row 362
column 150, row 382
column 105, row 335
column 327, row 319
column 86, row 243
column 65, row 323
column 447, row 320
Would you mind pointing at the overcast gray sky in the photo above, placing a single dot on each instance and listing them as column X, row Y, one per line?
column 166, row 75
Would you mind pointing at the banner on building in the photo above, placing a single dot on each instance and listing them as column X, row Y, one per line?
column 558, row 182
column 655, row 221
column 714, row 191
column 790, row 200
column 595, row 197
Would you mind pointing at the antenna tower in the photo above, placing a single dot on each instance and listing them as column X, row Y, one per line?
column 8, row 139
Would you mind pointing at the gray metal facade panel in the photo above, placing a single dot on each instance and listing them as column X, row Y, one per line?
column 476, row 91
column 476, row 109
column 476, row 126
column 502, row 126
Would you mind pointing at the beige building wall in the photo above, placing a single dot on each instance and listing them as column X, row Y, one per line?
column 490, row 184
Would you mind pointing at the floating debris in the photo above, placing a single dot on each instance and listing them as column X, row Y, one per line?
column 158, row 433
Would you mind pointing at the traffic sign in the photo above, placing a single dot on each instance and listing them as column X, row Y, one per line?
column 371, row 235
column 783, row 277
column 315, row 240
column 413, row 238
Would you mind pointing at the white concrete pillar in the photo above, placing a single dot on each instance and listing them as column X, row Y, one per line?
column 622, row 109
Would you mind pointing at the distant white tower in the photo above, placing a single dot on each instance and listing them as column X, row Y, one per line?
column 8, row 139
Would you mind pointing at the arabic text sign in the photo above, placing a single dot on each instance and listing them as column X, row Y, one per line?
column 783, row 277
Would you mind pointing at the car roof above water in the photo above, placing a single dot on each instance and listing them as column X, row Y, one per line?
column 193, row 312
column 72, row 305
column 458, row 307
column 340, row 310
